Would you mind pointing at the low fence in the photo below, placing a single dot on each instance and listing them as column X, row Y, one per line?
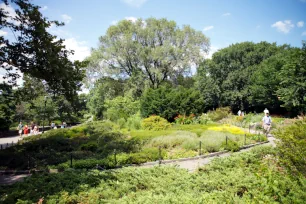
column 33, row 162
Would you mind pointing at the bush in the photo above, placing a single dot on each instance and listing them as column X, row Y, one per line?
column 147, row 154
column 134, row 122
column 292, row 147
column 183, row 119
column 155, row 123
column 91, row 146
column 204, row 119
column 168, row 102
column 231, row 146
column 219, row 113
column 121, row 122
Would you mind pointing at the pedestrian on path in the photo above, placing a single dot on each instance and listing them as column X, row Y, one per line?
column 32, row 128
column 20, row 128
column 267, row 123
column 26, row 130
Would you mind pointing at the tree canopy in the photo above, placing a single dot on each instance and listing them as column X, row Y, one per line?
column 151, row 50
column 36, row 52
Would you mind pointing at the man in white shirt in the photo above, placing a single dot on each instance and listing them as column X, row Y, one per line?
column 267, row 123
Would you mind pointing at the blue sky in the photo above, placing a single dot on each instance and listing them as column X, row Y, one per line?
column 224, row 21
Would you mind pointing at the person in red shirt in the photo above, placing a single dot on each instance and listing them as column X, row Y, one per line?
column 25, row 130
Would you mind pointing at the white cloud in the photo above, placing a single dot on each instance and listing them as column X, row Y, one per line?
column 300, row 24
column 131, row 18
column 81, row 51
column 226, row 14
column 3, row 33
column 304, row 33
column 283, row 26
column 66, row 18
column 44, row 8
column 208, row 28
column 134, row 3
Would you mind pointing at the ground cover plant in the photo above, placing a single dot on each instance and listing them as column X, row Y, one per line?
column 250, row 177
column 107, row 145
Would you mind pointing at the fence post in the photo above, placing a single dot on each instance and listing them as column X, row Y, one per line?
column 259, row 137
column 115, row 157
column 7, row 145
column 159, row 154
column 70, row 160
column 1, row 147
column 244, row 139
column 12, row 143
column 226, row 140
column 200, row 150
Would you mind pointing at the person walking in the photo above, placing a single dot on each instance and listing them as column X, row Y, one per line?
column 267, row 123
column 36, row 130
column 52, row 125
column 20, row 128
column 32, row 128
column 25, row 130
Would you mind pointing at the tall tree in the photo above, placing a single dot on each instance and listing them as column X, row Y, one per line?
column 153, row 50
column 7, row 106
column 34, row 51
column 292, row 90
column 231, row 69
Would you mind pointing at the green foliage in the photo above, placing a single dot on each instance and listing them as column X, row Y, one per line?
column 155, row 123
column 292, row 147
column 153, row 54
column 7, row 106
column 293, row 81
column 169, row 102
column 229, row 77
column 36, row 52
column 242, row 178
column 121, row 107
column 219, row 113
column 204, row 119
column 231, row 146
column 134, row 122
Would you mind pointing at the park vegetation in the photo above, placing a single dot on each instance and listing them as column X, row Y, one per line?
column 152, row 95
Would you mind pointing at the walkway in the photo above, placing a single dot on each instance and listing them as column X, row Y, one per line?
column 193, row 164
column 190, row 164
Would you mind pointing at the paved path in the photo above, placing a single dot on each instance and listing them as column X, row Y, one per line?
column 190, row 165
column 9, row 141
column 193, row 165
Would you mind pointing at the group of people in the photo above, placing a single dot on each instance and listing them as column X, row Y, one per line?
column 54, row 126
column 266, row 120
column 27, row 129
column 33, row 129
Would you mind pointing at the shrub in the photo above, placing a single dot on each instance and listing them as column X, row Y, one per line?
column 155, row 123
column 219, row 113
column 183, row 119
column 91, row 146
column 121, row 122
column 147, row 154
column 292, row 147
column 204, row 119
column 231, row 146
column 134, row 122
column 168, row 102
